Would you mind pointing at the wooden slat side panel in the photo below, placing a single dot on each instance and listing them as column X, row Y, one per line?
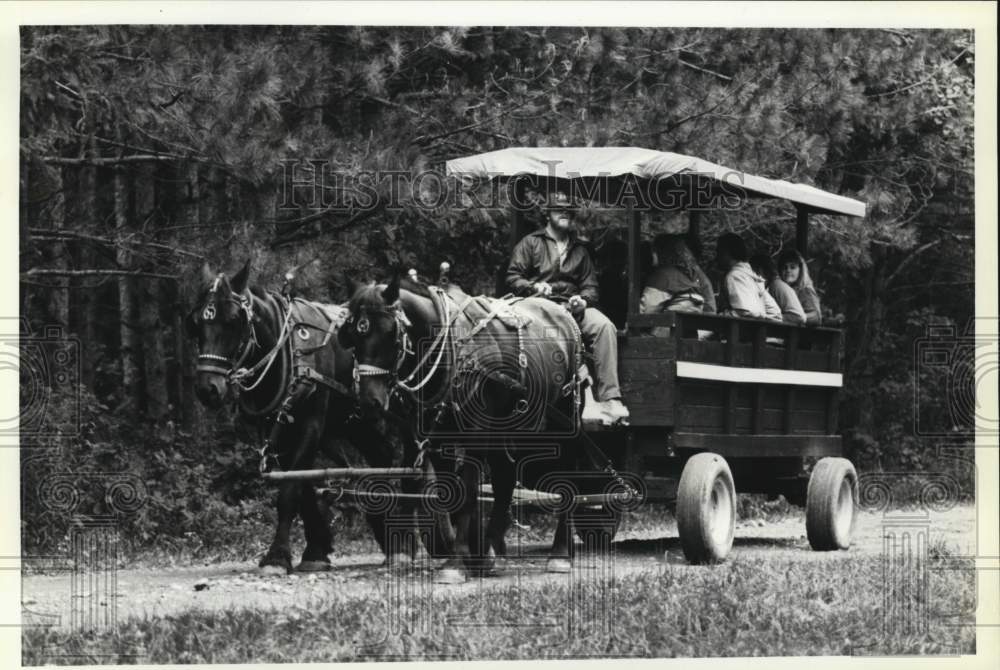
column 646, row 368
column 760, row 446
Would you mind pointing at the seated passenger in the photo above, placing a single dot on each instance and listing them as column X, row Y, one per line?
column 783, row 294
column 553, row 263
column 795, row 272
column 678, row 283
column 743, row 293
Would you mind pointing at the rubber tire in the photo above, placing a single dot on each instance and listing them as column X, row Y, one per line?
column 704, row 539
column 601, row 533
column 831, row 480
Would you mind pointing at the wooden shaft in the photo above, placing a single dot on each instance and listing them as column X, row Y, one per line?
column 331, row 473
column 378, row 495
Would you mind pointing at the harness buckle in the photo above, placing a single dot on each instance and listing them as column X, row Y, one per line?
column 421, row 452
column 264, row 454
column 442, row 408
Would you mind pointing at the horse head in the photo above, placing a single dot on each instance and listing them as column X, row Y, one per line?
column 376, row 331
column 222, row 322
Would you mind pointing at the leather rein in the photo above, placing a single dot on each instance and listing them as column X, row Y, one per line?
column 247, row 379
column 404, row 345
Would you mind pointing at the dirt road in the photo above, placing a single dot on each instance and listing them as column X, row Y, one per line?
column 141, row 592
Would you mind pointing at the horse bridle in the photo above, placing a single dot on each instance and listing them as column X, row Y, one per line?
column 245, row 304
column 404, row 346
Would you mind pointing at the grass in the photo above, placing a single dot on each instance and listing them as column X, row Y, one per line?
column 758, row 607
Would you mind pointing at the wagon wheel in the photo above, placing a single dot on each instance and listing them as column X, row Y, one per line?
column 596, row 526
column 830, row 502
column 706, row 508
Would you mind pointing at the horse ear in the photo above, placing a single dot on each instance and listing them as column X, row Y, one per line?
column 239, row 282
column 206, row 273
column 352, row 286
column 390, row 293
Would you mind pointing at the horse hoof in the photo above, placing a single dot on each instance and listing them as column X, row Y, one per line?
column 272, row 570
column 449, row 576
column 313, row 566
column 498, row 569
column 558, row 565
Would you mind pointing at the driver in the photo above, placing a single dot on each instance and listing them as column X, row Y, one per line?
column 552, row 262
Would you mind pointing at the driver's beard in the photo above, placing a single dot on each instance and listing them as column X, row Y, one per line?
column 563, row 224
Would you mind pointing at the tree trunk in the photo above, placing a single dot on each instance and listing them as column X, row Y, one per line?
column 873, row 317
column 151, row 299
column 131, row 393
column 24, row 212
column 86, row 300
column 184, row 347
column 59, row 293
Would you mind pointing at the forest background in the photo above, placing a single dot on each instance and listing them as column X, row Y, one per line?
column 149, row 150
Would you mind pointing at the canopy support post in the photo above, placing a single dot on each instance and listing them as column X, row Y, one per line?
column 634, row 239
column 517, row 230
column 694, row 233
column 802, row 231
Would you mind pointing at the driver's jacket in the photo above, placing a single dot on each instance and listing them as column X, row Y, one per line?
column 536, row 259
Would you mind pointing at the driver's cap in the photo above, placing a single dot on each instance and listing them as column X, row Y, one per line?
column 559, row 200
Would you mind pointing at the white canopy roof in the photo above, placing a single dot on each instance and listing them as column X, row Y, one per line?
column 582, row 162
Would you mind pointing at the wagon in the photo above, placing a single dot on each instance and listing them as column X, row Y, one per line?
column 751, row 408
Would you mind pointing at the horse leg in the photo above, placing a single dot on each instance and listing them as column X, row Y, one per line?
column 278, row 558
column 502, row 478
column 436, row 527
column 397, row 545
column 315, row 520
column 454, row 569
column 561, row 554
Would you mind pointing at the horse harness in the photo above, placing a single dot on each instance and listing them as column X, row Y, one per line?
column 499, row 309
column 445, row 340
column 299, row 379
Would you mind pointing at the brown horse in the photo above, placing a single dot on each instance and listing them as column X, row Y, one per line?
column 498, row 381
column 252, row 341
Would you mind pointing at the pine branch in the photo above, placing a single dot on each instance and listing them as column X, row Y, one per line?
column 136, row 158
column 48, row 272
column 45, row 234
column 923, row 81
column 705, row 70
column 909, row 259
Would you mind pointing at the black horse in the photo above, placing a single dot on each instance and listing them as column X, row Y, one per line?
column 498, row 380
column 250, row 340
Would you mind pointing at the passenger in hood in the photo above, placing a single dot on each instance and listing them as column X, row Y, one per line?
column 744, row 292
